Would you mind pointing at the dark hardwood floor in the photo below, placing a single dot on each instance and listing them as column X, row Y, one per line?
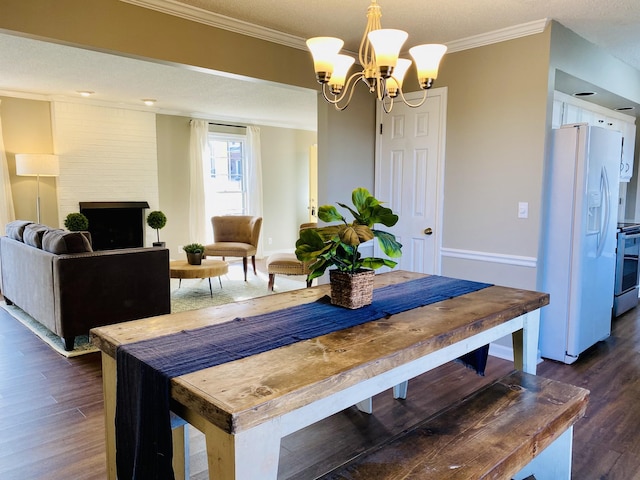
column 51, row 424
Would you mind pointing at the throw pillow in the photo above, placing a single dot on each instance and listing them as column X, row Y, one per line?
column 61, row 241
column 33, row 234
column 15, row 229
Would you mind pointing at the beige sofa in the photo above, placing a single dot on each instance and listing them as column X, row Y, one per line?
column 55, row 277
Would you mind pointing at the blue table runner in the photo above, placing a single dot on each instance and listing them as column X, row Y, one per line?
column 145, row 368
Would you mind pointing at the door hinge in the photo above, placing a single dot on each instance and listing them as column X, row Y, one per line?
column 380, row 129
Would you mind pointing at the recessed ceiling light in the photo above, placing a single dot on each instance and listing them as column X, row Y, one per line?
column 149, row 101
column 85, row 93
column 584, row 94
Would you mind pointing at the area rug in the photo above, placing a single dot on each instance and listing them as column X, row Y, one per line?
column 190, row 294
column 81, row 347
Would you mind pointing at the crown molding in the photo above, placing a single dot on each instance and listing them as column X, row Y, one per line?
column 223, row 22
column 497, row 36
column 195, row 14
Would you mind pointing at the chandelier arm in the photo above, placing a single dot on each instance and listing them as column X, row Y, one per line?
column 348, row 87
column 381, row 88
column 412, row 105
column 384, row 105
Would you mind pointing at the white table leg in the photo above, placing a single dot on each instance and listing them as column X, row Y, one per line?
column 366, row 405
column 525, row 343
column 109, row 393
column 400, row 390
column 248, row 455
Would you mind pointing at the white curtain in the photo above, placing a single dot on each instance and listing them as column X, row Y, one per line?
column 197, row 151
column 7, row 212
column 254, row 178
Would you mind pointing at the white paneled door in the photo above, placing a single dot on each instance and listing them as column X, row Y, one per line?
column 410, row 176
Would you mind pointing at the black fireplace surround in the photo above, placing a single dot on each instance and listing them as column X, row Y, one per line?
column 115, row 225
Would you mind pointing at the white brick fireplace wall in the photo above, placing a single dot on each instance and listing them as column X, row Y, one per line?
column 106, row 154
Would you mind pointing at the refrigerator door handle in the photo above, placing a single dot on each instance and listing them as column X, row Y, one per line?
column 604, row 186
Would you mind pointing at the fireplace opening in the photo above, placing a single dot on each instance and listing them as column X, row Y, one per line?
column 115, row 225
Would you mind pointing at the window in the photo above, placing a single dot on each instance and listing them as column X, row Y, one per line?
column 225, row 186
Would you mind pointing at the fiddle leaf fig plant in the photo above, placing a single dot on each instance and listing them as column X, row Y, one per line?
column 337, row 245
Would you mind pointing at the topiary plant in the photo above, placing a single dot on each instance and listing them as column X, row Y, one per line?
column 157, row 220
column 76, row 222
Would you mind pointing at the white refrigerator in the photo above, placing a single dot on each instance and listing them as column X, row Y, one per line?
column 579, row 239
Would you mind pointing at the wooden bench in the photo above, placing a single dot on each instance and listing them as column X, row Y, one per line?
column 516, row 427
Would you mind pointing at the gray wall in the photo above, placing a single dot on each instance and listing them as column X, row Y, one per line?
column 284, row 174
column 495, row 152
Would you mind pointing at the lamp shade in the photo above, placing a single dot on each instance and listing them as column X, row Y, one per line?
column 341, row 69
column 387, row 43
column 34, row 164
column 324, row 51
column 427, row 58
column 395, row 82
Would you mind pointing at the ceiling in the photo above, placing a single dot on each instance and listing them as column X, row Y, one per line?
column 53, row 71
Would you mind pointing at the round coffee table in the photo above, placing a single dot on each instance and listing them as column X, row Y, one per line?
column 208, row 268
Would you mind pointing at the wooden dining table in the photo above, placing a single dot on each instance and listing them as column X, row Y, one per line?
column 244, row 407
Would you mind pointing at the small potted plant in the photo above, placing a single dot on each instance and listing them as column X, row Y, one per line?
column 194, row 253
column 76, row 222
column 337, row 246
column 157, row 220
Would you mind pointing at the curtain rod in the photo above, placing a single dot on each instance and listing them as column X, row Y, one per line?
column 227, row 125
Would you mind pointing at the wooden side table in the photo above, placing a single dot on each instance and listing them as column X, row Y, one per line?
column 208, row 268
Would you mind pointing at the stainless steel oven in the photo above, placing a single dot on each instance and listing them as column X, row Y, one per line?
column 627, row 258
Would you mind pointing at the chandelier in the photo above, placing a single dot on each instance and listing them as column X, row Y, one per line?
column 382, row 71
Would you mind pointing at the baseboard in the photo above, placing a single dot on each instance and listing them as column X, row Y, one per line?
column 505, row 353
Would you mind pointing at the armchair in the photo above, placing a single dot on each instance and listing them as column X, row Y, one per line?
column 235, row 236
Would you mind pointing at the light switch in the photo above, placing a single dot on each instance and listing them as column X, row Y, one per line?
column 523, row 209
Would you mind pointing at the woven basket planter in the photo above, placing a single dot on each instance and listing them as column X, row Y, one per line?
column 351, row 290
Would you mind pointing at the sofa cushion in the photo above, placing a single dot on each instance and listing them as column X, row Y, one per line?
column 62, row 241
column 33, row 234
column 15, row 229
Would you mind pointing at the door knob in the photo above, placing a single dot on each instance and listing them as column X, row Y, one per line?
column 428, row 231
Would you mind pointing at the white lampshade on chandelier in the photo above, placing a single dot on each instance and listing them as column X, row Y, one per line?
column 383, row 71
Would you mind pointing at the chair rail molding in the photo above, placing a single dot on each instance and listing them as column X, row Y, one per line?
column 516, row 260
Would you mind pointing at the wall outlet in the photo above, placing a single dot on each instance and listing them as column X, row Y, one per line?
column 270, row 241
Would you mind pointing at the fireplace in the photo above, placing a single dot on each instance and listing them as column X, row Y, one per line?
column 115, row 224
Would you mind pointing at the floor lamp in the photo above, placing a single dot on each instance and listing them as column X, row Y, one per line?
column 37, row 165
